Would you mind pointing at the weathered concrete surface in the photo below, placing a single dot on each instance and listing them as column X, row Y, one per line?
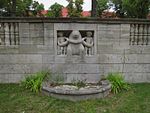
column 73, row 93
column 37, row 50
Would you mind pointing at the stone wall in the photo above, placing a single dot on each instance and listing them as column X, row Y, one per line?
column 29, row 45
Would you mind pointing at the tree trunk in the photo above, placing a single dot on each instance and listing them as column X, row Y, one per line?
column 94, row 7
column 13, row 8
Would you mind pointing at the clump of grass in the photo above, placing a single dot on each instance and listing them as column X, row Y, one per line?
column 80, row 83
column 55, row 80
column 118, row 83
column 34, row 81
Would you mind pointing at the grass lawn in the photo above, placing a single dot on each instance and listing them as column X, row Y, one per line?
column 13, row 99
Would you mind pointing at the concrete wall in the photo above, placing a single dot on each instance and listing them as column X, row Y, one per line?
column 118, row 48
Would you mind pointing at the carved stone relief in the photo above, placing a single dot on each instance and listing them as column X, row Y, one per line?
column 74, row 43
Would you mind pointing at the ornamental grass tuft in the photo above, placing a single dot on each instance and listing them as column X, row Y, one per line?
column 118, row 83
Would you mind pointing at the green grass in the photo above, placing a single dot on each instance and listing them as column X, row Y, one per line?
column 14, row 99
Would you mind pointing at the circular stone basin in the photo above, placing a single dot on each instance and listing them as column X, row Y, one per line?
column 73, row 93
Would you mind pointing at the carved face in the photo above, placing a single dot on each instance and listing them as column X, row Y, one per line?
column 75, row 35
column 89, row 34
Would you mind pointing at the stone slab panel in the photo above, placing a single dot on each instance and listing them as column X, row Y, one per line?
column 74, row 26
column 48, row 67
column 48, row 37
column 48, row 33
column 137, row 58
column 4, row 78
column 137, row 68
column 47, row 58
column 101, row 58
column 125, row 35
column 104, row 41
column 37, row 33
column 76, row 68
column 20, row 68
column 102, row 27
column 113, row 26
column 111, row 58
column 77, row 59
column 101, row 35
column 36, row 49
column 28, row 49
column 110, row 68
column 110, row 49
column 103, row 48
column 36, row 29
column 113, row 34
column 121, row 47
column 125, row 31
column 89, row 78
column 46, row 49
column 138, row 49
column 49, row 26
column 9, row 49
column 20, row 58
column 137, row 77
column 24, row 33
column 110, row 31
column 38, row 40
column 15, row 78
column 124, row 43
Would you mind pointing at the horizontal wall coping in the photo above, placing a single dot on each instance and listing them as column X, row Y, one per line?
column 74, row 20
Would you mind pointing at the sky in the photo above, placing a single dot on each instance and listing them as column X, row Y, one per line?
column 48, row 3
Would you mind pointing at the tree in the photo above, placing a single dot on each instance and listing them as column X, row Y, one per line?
column 3, row 6
column 132, row 8
column 78, row 5
column 118, row 7
column 6, row 7
column 136, row 8
column 37, row 8
column 23, row 7
column 20, row 7
column 101, row 6
column 75, row 8
column 55, row 10
column 13, row 7
column 94, row 8
column 3, row 3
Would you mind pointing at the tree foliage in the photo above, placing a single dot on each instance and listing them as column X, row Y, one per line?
column 23, row 7
column 101, row 6
column 75, row 8
column 5, row 7
column 55, row 10
column 37, row 7
column 118, row 7
column 132, row 8
column 136, row 8
column 3, row 3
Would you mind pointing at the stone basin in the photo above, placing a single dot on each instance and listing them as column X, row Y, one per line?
column 73, row 93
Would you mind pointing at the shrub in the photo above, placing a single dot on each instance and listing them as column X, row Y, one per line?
column 118, row 83
column 34, row 81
